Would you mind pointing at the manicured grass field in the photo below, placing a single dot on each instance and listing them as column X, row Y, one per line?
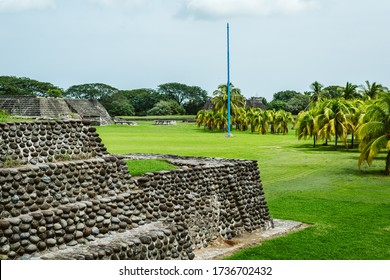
column 349, row 210
column 146, row 118
column 139, row 167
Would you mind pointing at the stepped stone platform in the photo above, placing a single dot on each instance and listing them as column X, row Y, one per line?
column 88, row 206
column 49, row 108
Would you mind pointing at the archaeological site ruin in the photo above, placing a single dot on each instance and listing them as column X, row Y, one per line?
column 64, row 196
column 55, row 108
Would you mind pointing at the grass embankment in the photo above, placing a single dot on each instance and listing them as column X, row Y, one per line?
column 349, row 209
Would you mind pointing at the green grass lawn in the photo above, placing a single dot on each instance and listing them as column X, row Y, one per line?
column 139, row 167
column 349, row 210
column 175, row 117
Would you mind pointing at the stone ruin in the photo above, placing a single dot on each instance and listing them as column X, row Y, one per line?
column 54, row 108
column 85, row 204
column 165, row 122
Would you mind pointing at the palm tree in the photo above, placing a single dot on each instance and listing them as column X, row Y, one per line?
column 375, row 132
column 355, row 117
column 320, row 120
column 333, row 120
column 370, row 91
column 283, row 118
column 253, row 118
column 241, row 119
column 209, row 120
column 305, row 125
column 316, row 88
column 349, row 91
column 258, row 120
column 221, row 97
column 271, row 116
column 219, row 121
column 263, row 122
column 200, row 117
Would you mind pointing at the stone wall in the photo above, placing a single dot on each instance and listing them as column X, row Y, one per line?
column 47, row 141
column 46, row 186
column 216, row 197
column 93, row 209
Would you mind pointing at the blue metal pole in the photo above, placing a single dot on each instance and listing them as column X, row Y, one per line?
column 228, row 81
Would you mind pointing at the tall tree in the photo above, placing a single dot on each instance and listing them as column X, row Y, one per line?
column 349, row 91
column 289, row 100
column 192, row 98
column 10, row 85
column 169, row 107
column 91, row 91
column 142, row 99
column 316, row 90
column 370, row 91
column 375, row 132
column 117, row 105
column 332, row 92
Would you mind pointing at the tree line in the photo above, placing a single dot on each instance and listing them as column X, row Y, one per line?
column 350, row 115
column 167, row 99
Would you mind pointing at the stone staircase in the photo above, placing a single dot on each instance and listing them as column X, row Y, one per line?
column 53, row 107
column 21, row 106
column 90, row 110
column 49, row 108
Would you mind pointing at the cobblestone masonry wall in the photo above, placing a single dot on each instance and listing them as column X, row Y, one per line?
column 213, row 197
column 93, row 209
column 47, row 141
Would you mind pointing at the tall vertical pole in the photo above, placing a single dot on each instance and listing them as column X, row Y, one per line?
column 228, row 81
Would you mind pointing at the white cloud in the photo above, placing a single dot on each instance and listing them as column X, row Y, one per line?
column 25, row 5
column 234, row 8
column 120, row 3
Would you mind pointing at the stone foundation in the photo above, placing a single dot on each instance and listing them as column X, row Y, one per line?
column 93, row 209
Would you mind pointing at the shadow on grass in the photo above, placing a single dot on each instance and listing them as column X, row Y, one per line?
column 324, row 148
column 207, row 131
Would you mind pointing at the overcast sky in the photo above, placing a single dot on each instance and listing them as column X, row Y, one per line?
column 275, row 44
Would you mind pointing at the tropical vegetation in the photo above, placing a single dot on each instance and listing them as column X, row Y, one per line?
column 352, row 116
column 375, row 131
column 242, row 118
column 187, row 99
